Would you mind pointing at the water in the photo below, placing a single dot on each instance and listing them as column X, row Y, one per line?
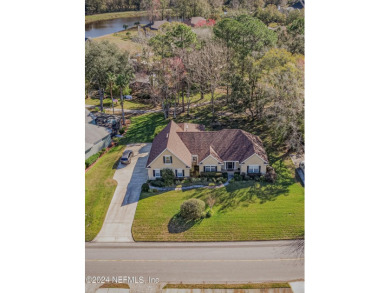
column 105, row 27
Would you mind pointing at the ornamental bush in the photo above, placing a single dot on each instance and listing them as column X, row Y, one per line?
column 145, row 187
column 192, row 209
column 168, row 176
column 157, row 183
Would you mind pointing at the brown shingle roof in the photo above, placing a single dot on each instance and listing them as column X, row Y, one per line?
column 224, row 145
column 168, row 139
column 191, row 127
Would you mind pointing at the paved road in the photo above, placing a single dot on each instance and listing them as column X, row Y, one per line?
column 120, row 214
column 197, row 262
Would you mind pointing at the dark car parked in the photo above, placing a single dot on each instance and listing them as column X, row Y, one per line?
column 126, row 156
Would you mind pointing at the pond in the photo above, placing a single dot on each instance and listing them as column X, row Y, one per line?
column 105, row 27
column 110, row 26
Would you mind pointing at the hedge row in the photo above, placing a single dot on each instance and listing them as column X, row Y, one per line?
column 92, row 159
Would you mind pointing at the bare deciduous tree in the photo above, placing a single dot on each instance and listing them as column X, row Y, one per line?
column 206, row 66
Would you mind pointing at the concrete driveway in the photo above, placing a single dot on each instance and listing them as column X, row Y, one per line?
column 120, row 214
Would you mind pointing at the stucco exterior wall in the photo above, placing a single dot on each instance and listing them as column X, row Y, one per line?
column 254, row 160
column 210, row 161
column 159, row 164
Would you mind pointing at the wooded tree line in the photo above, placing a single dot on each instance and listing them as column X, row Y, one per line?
column 181, row 8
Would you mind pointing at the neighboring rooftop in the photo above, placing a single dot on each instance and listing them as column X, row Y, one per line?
column 94, row 134
column 193, row 21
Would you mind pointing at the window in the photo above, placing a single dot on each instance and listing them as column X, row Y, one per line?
column 157, row 173
column 253, row 169
column 210, row 168
column 179, row 173
column 195, row 159
column 167, row 159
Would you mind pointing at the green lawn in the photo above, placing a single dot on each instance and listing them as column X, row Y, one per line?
column 99, row 189
column 243, row 211
column 99, row 183
column 144, row 128
column 130, row 105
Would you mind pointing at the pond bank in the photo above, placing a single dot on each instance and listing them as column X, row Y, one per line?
column 112, row 15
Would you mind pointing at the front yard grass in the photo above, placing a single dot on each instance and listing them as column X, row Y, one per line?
column 99, row 189
column 242, row 212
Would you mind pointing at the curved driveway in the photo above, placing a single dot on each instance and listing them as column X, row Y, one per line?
column 120, row 214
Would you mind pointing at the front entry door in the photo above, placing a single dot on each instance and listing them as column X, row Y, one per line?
column 229, row 165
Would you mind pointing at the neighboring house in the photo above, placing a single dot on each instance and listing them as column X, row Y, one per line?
column 96, row 137
column 186, row 148
column 157, row 24
column 194, row 21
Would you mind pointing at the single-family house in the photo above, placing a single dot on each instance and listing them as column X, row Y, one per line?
column 96, row 137
column 187, row 147
column 194, row 21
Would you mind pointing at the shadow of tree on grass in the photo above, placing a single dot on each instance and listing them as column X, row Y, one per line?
column 179, row 225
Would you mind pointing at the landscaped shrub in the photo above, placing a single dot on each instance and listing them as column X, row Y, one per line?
column 121, row 131
column 211, row 174
column 168, row 176
column 157, row 183
column 154, row 190
column 237, row 177
column 209, row 213
column 92, row 159
column 192, row 209
column 211, row 184
column 225, row 175
column 145, row 187
column 271, row 175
